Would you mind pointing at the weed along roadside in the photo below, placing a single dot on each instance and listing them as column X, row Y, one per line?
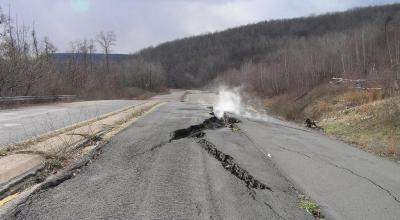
column 51, row 158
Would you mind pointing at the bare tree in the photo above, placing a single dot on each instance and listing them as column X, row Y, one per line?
column 91, row 50
column 106, row 41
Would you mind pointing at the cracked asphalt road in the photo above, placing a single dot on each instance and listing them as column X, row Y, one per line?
column 141, row 175
column 347, row 182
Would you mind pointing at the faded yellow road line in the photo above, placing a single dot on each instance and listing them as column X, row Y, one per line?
column 74, row 126
column 129, row 121
column 7, row 199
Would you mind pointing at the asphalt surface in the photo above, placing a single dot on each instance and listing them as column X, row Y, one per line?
column 25, row 122
column 141, row 175
column 347, row 182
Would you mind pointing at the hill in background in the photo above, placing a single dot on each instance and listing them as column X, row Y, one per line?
column 195, row 61
column 290, row 63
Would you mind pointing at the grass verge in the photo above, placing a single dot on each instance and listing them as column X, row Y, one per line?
column 366, row 119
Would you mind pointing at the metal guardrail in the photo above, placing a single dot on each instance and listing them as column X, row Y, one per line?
column 35, row 98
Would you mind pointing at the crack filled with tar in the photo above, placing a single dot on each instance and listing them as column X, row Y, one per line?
column 227, row 161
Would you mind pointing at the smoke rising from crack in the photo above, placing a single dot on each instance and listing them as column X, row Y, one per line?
column 230, row 100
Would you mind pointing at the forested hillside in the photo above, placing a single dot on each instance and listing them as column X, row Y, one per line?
column 290, row 66
column 269, row 58
column 294, row 54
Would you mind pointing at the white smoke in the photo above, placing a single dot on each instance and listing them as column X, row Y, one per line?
column 228, row 101
column 231, row 101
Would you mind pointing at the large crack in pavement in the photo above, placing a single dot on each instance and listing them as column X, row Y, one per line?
column 227, row 161
column 229, row 164
column 210, row 123
column 196, row 134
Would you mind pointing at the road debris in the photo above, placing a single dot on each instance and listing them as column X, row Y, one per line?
column 313, row 124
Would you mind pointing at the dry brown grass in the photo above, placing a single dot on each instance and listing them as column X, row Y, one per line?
column 356, row 97
column 364, row 118
column 285, row 106
column 374, row 126
column 393, row 147
column 388, row 111
column 333, row 101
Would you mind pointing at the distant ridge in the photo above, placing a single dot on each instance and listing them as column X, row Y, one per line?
column 95, row 56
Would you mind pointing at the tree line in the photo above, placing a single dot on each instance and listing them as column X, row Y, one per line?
column 271, row 57
column 289, row 55
column 31, row 66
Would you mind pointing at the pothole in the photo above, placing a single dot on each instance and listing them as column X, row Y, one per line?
column 227, row 161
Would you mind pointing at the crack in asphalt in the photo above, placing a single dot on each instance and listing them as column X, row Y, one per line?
column 227, row 161
column 158, row 145
column 210, row 123
column 229, row 164
column 348, row 170
column 211, row 190
column 266, row 157
column 284, row 148
column 151, row 149
column 281, row 125
column 366, row 178
column 195, row 132
column 294, row 151
column 50, row 183
column 274, row 211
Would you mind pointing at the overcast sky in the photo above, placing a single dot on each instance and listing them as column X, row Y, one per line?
column 142, row 23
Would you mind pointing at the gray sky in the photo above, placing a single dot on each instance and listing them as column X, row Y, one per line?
column 142, row 23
